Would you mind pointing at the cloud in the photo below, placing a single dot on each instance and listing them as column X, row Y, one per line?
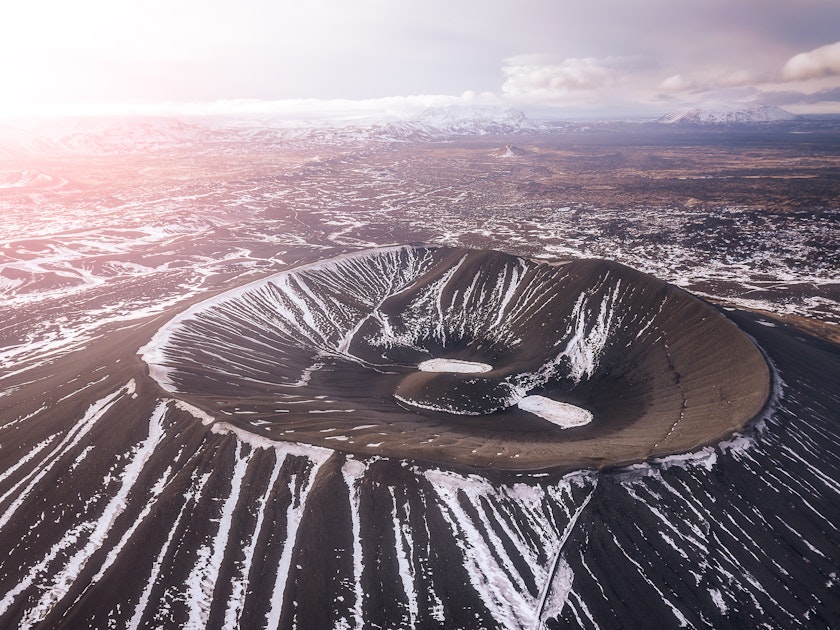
column 738, row 78
column 710, row 80
column 677, row 83
column 539, row 77
column 335, row 110
column 822, row 61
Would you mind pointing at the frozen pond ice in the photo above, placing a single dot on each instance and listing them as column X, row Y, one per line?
column 562, row 414
column 454, row 365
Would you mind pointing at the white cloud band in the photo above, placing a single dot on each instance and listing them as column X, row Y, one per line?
column 822, row 61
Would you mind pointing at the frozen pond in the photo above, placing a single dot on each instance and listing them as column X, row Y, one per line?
column 562, row 414
column 453, row 365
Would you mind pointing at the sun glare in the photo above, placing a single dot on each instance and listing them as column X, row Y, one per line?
column 60, row 52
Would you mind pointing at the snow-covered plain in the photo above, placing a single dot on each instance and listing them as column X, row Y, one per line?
column 123, row 507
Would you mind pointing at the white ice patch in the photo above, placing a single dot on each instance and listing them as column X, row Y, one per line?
column 202, row 580
column 562, row 414
column 353, row 471
column 206, row 418
column 583, row 350
column 717, row 598
column 318, row 454
column 453, row 365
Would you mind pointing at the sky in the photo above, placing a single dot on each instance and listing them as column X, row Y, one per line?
column 555, row 58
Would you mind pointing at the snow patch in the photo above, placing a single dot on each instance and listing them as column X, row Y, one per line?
column 562, row 414
column 454, row 366
column 318, row 454
column 206, row 418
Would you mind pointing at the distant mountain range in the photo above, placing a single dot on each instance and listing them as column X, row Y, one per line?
column 115, row 135
column 453, row 120
column 727, row 115
column 132, row 134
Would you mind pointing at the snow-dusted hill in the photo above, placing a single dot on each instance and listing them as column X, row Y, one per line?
column 727, row 115
column 454, row 120
column 510, row 151
column 236, row 133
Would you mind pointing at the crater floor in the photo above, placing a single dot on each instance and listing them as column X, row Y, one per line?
column 533, row 365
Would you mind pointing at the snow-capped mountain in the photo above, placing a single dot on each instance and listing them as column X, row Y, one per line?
column 727, row 115
column 455, row 120
column 476, row 119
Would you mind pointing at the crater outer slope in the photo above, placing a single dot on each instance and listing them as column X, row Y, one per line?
column 327, row 354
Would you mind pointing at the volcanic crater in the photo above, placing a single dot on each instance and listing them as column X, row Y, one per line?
column 467, row 358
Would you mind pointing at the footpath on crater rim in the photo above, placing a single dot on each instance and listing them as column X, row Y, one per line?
column 467, row 358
